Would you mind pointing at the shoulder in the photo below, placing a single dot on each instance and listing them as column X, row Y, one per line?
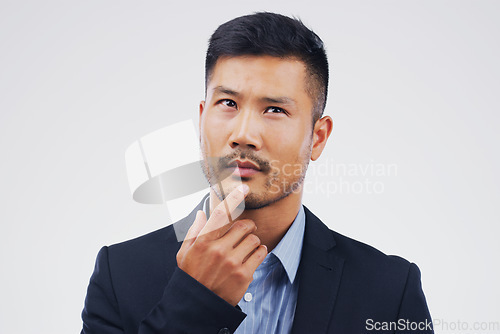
column 143, row 254
column 167, row 239
column 160, row 236
column 363, row 258
column 376, row 285
column 359, row 258
column 152, row 249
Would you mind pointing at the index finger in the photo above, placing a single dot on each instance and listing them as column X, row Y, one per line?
column 220, row 216
column 192, row 233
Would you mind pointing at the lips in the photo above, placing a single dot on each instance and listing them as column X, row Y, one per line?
column 245, row 164
column 245, row 168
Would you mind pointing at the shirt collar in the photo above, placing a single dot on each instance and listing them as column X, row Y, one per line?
column 206, row 207
column 289, row 248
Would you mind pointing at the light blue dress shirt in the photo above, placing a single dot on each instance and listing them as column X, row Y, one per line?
column 270, row 300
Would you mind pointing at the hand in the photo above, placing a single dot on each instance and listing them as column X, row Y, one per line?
column 220, row 255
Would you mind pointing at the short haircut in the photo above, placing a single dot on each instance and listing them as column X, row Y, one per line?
column 271, row 34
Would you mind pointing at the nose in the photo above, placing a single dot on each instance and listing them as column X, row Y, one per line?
column 245, row 131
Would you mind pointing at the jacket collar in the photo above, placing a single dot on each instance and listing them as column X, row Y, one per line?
column 319, row 273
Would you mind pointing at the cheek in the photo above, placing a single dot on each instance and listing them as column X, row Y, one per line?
column 291, row 141
column 212, row 134
column 216, row 124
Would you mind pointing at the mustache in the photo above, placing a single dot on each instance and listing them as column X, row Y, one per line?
column 223, row 162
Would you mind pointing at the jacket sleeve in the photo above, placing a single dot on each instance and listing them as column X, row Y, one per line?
column 100, row 314
column 414, row 316
column 187, row 306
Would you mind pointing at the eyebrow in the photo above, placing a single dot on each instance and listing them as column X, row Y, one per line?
column 267, row 99
column 225, row 90
column 279, row 100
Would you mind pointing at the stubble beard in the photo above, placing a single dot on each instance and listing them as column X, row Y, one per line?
column 276, row 187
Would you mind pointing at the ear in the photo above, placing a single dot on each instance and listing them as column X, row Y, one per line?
column 202, row 107
column 322, row 130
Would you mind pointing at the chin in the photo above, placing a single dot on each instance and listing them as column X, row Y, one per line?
column 255, row 202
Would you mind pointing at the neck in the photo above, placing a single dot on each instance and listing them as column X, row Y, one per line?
column 273, row 221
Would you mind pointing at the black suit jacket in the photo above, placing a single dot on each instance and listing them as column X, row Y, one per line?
column 344, row 287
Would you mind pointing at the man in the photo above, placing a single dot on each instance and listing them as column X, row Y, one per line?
column 277, row 268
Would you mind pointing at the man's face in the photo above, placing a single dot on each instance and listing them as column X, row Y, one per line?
column 257, row 116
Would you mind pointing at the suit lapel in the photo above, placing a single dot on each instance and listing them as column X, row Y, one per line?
column 182, row 226
column 319, row 278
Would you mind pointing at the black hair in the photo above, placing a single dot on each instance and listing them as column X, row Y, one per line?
column 271, row 34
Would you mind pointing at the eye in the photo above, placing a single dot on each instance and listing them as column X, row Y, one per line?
column 228, row 103
column 276, row 110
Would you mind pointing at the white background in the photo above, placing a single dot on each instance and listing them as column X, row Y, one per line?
column 413, row 83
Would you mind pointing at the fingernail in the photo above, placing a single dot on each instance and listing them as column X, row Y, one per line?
column 243, row 188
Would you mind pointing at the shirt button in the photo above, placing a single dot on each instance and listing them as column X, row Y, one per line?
column 224, row 331
column 248, row 297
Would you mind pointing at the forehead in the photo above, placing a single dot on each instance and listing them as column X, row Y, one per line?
column 262, row 75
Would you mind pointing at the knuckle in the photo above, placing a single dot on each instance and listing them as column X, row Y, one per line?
column 200, row 247
column 241, row 225
column 217, row 252
column 235, row 195
column 240, row 275
column 232, row 262
column 218, row 213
